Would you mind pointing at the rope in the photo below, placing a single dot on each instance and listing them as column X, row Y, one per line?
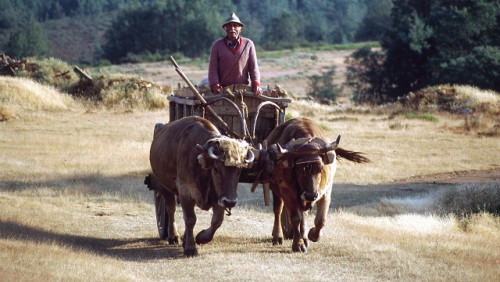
column 258, row 111
column 244, row 109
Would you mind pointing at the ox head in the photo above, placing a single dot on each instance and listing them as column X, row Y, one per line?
column 224, row 158
column 305, row 159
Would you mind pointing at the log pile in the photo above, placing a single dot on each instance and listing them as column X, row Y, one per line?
column 10, row 66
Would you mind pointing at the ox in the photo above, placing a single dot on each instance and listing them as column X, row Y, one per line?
column 191, row 160
column 303, row 175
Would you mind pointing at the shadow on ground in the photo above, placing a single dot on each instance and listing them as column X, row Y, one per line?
column 132, row 250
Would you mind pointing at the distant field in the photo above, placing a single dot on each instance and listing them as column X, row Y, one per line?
column 290, row 69
column 74, row 206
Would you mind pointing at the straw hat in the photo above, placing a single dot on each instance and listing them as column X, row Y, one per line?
column 233, row 18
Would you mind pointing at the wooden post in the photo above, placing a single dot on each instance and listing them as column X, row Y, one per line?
column 82, row 73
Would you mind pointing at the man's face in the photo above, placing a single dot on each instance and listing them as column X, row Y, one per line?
column 233, row 30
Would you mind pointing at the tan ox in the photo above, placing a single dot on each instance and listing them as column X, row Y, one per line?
column 191, row 159
column 303, row 175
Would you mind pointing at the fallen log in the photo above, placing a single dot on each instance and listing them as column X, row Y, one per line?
column 80, row 72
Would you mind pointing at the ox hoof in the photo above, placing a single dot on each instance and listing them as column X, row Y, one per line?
column 204, row 237
column 173, row 241
column 278, row 241
column 314, row 234
column 300, row 248
column 190, row 252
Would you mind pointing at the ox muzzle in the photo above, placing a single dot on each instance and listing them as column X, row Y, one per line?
column 227, row 203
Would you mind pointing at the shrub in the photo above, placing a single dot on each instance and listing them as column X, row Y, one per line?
column 469, row 200
column 321, row 87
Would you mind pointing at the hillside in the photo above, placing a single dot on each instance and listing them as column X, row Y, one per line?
column 77, row 40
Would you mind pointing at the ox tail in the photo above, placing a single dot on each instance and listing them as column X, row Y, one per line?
column 352, row 156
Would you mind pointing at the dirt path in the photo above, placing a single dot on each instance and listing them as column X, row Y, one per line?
column 458, row 177
column 350, row 195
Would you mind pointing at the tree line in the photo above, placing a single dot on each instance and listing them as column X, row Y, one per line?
column 155, row 27
column 190, row 27
column 423, row 42
column 430, row 42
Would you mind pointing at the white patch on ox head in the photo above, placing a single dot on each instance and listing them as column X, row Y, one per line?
column 235, row 151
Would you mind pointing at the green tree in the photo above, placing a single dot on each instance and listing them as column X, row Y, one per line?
column 321, row 87
column 344, row 17
column 169, row 27
column 365, row 76
column 447, row 41
column 28, row 41
column 480, row 67
column 7, row 15
column 375, row 21
column 282, row 31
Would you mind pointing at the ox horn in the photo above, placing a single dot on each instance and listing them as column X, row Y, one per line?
column 211, row 153
column 332, row 146
column 282, row 150
column 250, row 157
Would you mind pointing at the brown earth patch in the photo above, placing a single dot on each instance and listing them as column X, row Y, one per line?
column 457, row 177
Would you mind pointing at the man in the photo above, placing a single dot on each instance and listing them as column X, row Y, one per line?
column 233, row 59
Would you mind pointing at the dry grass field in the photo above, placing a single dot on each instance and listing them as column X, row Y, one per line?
column 74, row 207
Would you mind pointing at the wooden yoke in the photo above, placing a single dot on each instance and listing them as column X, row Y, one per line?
column 202, row 100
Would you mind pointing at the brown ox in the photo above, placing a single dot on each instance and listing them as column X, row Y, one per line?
column 191, row 159
column 305, row 166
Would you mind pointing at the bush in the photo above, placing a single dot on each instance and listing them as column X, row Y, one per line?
column 365, row 76
column 470, row 200
column 321, row 87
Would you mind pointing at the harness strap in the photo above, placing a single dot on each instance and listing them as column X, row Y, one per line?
column 231, row 70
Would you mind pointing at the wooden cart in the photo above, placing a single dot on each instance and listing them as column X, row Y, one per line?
column 238, row 113
column 244, row 115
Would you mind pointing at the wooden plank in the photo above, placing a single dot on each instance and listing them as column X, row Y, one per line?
column 171, row 111
column 183, row 100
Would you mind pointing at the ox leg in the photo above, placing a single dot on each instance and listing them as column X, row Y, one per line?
column 207, row 235
column 173, row 234
column 320, row 220
column 277, row 229
column 189, row 244
column 303, row 228
column 298, row 244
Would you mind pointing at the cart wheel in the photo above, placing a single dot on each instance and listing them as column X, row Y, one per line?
column 161, row 215
column 286, row 225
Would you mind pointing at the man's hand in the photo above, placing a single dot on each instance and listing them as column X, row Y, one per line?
column 216, row 88
column 256, row 88
column 257, row 91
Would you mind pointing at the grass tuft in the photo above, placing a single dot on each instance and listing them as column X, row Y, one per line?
column 422, row 116
column 19, row 95
column 470, row 200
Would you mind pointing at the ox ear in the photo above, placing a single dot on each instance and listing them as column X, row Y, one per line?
column 203, row 162
column 200, row 148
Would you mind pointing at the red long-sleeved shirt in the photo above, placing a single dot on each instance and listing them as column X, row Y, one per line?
column 223, row 58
